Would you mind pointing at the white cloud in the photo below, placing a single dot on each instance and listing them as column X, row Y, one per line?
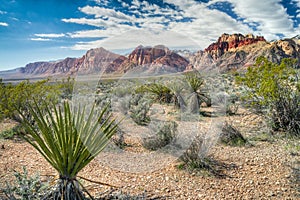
column 3, row 24
column 104, row 12
column 270, row 16
column 40, row 39
column 93, row 22
column 87, row 34
column 133, row 38
column 205, row 25
column 50, row 35
column 297, row 2
column 2, row 12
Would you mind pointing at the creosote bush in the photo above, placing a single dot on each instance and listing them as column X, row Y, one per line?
column 166, row 134
column 139, row 107
column 274, row 91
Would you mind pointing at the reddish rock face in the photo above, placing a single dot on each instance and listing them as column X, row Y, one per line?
column 237, row 51
column 156, row 56
column 227, row 42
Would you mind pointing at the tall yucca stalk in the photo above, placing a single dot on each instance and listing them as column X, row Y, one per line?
column 68, row 140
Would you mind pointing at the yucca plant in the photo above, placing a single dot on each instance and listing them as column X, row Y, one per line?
column 196, row 84
column 68, row 139
column 160, row 92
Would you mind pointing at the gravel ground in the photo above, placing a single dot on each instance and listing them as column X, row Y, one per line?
column 263, row 170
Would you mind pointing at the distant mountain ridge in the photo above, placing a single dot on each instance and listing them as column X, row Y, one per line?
column 101, row 60
column 230, row 51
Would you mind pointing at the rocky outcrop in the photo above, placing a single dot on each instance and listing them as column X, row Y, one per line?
column 228, row 42
column 157, row 58
column 237, row 51
column 97, row 60
column 94, row 61
column 67, row 65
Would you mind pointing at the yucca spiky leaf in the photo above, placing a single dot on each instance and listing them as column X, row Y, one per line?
column 68, row 139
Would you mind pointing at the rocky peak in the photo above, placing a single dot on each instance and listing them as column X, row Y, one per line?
column 146, row 55
column 154, row 58
column 229, row 42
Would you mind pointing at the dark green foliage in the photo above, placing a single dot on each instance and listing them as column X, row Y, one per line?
column 166, row 134
column 19, row 96
column 264, row 80
column 66, row 87
column 25, row 188
column 273, row 90
column 160, row 92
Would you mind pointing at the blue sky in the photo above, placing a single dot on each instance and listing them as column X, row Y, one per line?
column 40, row 30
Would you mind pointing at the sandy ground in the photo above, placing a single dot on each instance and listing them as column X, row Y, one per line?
column 263, row 170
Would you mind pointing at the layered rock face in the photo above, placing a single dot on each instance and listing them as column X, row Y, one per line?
column 68, row 65
column 95, row 60
column 229, row 42
column 237, row 51
column 151, row 59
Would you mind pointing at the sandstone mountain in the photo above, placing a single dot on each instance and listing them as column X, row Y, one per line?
column 157, row 59
column 237, row 51
column 93, row 61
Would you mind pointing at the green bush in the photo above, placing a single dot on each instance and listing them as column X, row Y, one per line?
column 274, row 91
column 231, row 136
column 19, row 96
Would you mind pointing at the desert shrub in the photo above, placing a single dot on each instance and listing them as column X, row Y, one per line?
column 231, row 107
column 19, row 96
column 139, row 109
column 24, row 187
column 195, row 157
column 66, row 86
column 273, row 90
column 102, row 100
column 165, row 134
column 231, row 136
column 11, row 133
column 284, row 112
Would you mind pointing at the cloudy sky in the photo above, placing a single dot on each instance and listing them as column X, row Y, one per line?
column 38, row 30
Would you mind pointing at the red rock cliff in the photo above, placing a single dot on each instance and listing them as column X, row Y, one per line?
column 228, row 42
